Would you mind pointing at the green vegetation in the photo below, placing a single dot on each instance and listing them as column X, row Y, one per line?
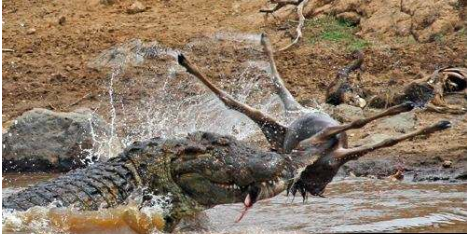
column 439, row 38
column 330, row 29
column 463, row 32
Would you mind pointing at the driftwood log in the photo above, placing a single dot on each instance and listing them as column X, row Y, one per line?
column 300, row 5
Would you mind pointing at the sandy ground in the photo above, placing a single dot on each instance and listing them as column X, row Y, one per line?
column 54, row 41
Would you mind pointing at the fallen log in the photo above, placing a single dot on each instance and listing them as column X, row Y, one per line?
column 299, row 7
column 301, row 24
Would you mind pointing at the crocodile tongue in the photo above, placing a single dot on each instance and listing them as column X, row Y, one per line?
column 250, row 199
column 248, row 204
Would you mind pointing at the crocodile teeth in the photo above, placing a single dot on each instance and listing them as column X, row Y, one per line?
column 263, row 184
column 229, row 186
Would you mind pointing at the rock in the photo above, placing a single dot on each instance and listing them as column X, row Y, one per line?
column 462, row 176
column 95, row 3
column 351, row 17
column 136, row 7
column 347, row 113
column 403, row 122
column 380, row 168
column 107, row 2
column 31, row 31
column 424, row 21
column 372, row 139
column 62, row 20
column 447, row 164
column 361, row 102
column 431, row 178
column 43, row 140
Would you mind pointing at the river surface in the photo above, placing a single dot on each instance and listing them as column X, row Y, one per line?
column 351, row 205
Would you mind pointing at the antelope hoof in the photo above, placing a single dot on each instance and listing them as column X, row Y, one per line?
column 443, row 124
column 407, row 106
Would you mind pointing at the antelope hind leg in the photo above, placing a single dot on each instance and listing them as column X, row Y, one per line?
column 446, row 109
column 345, row 155
column 329, row 132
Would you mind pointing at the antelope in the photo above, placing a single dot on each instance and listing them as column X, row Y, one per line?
column 312, row 134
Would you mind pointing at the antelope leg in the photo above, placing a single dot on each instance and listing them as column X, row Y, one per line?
column 272, row 130
column 345, row 155
column 335, row 92
column 290, row 104
column 329, row 132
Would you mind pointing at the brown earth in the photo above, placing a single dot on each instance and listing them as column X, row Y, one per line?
column 424, row 21
column 53, row 43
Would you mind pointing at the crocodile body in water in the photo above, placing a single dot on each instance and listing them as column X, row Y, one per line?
column 197, row 172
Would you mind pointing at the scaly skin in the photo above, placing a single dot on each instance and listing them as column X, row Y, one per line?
column 197, row 172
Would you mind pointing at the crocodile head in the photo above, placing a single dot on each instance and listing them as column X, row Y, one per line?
column 215, row 169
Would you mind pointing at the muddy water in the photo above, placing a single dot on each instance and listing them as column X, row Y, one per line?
column 351, row 205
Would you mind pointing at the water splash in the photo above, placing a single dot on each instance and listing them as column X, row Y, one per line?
column 158, row 97
column 126, row 219
column 132, row 217
column 113, row 112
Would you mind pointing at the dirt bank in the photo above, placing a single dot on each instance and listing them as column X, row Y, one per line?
column 53, row 43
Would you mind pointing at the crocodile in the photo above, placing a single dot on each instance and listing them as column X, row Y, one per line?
column 197, row 172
